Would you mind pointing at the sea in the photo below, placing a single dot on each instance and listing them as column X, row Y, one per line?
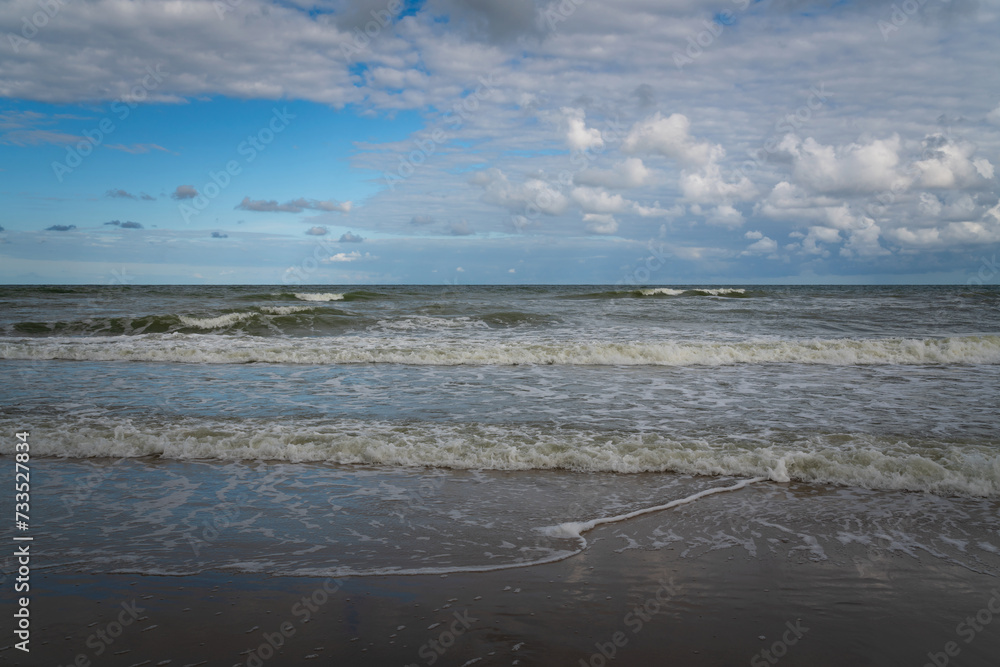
column 362, row 431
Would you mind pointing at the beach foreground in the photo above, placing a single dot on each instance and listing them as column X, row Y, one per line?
column 725, row 583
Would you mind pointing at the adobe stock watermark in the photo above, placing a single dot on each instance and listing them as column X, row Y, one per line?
column 779, row 649
column 324, row 248
column 555, row 15
column 121, row 108
column 301, row 610
column 703, row 39
column 102, row 638
column 646, row 267
column 988, row 271
column 635, row 620
column 899, row 15
column 968, row 629
column 790, row 122
column 459, row 114
column 362, row 39
column 544, row 199
column 432, row 650
column 249, row 148
column 37, row 21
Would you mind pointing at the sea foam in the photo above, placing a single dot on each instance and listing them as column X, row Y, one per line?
column 195, row 348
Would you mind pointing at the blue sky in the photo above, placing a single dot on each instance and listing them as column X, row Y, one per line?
column 488, row 141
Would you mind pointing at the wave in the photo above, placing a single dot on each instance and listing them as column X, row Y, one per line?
column 327, row 296
column 732, row 292
column 862, row 460
column 357, row 295
column 264, row 317
column 392, row 349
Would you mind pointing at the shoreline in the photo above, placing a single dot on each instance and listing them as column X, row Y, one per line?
column 686, row 602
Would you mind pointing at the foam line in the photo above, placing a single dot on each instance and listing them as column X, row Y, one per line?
column 575, row 529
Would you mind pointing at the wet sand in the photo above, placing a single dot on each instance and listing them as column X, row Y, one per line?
column 674, row 605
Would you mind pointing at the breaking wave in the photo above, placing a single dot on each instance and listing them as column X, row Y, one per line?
column 875, row 462
column 200, row 348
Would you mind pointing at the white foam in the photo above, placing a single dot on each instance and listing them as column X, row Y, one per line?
column 221, row 321
column 285, row 310
column 858, row 460
column 666, row 291
column 720, row 291
column 417, row 322
column 712, row 291
column 197, row 348
column 326, row 296
column 576, row 529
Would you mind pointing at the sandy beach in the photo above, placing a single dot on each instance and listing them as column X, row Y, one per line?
column 777, row 593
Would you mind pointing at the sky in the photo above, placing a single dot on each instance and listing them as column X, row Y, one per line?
column 499, row 141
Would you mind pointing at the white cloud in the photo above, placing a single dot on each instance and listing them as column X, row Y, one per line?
column 725, row 216
column 870, row 167
column 670, row 137
column 864, row 242
column 817, row 235
column 345, row 257
column 708, row 186
column 790, row 202
column 600, row 223
column 630, row 173
column 578, row 136
column 994, row 116
column 753, row 235
column 951, row 165
column 597, row 201
column 763, row 246
column 656, row 211
column 531, row 197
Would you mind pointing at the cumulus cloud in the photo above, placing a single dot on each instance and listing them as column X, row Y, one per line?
column 985, row 230
column 529, row 198
column 597, row 201
column 578, row 136
column 762, row 246
column 345, row 257
column 851, row 168
column 600, row 223
column 709, row 186
column 350, row 237
column 219, row 235
column 791, row 202
column 60, row 228
column 184, row 192
column 672, row 138
column 630, row 173
column 128, row 224
column 657, row 211
column 725, row 216
column 317, row 231
column 864, row 242
column 293, row 206
column 951, row 165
